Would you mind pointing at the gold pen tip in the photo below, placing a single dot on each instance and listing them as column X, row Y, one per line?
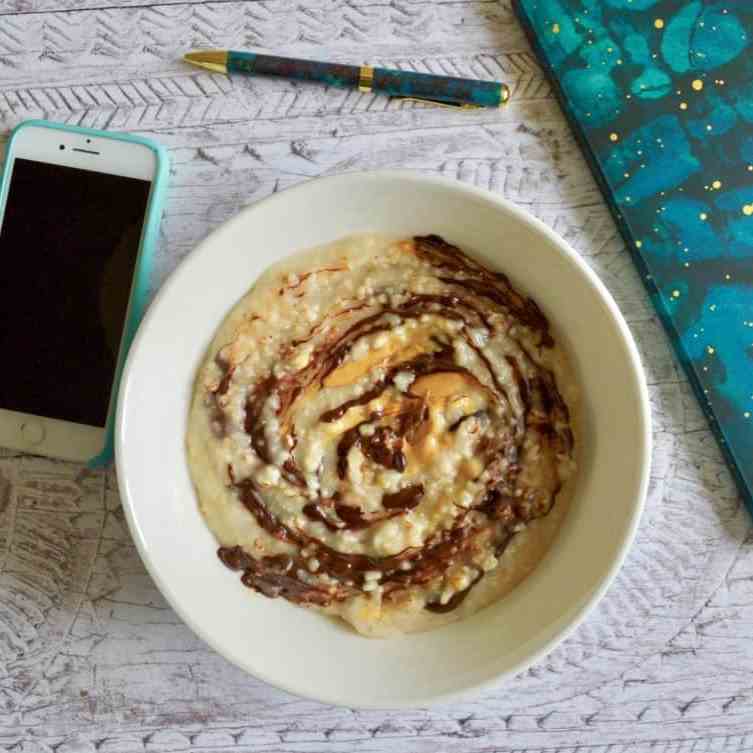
column 212, row 60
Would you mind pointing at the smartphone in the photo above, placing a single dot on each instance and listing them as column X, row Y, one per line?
column 73, row 211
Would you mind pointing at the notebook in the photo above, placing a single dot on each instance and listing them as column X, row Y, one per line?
column 660, row 96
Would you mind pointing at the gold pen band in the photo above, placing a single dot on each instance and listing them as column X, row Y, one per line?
column 365, row 78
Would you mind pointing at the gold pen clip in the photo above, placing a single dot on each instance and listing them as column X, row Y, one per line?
column 504, row 97
column 366, row 85
column 440, row 103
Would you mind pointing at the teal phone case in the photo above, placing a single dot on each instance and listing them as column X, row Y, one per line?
column 143, row 269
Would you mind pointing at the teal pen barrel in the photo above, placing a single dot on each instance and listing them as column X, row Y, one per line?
column 331, row 74
column 439, row 88
column 379, row 80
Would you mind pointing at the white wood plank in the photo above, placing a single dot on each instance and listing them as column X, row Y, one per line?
column 20, row 7
column 147, row 31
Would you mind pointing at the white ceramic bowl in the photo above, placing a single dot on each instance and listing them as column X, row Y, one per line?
column 296, row 649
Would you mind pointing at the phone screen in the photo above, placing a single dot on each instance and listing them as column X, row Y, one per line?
column 68, row 246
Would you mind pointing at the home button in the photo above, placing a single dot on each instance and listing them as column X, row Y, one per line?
column 32, row 432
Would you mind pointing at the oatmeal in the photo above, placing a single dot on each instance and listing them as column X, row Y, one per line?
column 381, row 431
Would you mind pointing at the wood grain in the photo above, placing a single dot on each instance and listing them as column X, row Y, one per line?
column 91, row 657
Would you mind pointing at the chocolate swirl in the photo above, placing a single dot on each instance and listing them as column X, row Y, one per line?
column 396, row 443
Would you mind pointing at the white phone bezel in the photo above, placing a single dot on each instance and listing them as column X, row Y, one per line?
column 98, row 153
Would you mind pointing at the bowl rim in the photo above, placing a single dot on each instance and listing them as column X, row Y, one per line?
column 637, row 374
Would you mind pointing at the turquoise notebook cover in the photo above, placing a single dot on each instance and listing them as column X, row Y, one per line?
column 660, row 95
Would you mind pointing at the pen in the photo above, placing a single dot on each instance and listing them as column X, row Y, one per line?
column 447, row 91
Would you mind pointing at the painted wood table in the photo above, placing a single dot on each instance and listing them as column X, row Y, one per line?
column 91, row 657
